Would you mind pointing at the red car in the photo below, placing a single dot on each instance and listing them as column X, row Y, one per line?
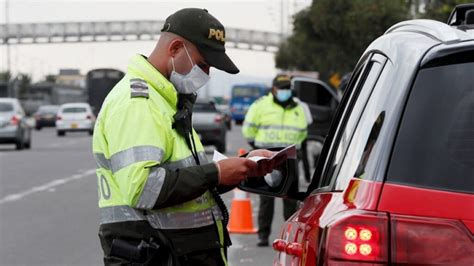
column 395, row 180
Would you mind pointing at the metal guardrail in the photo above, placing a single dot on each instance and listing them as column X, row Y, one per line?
column 106, row 31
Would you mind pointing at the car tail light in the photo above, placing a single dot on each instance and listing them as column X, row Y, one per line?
column 431, row 241
column 15, row 120
column 90, row 117
column 58, row 118
column 359, row 237
column 218, row 118
column 364, row 237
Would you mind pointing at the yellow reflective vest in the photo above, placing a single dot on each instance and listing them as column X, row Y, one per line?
column 145, row 170
column 268, row 124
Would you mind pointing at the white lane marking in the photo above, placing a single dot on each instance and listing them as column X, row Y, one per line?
column 70, row 142
column 50, row 186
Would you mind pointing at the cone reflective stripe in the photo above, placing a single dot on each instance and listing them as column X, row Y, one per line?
column 241, row 220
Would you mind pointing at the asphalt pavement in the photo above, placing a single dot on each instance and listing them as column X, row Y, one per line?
column 48, row 204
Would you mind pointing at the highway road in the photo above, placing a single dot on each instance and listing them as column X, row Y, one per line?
column 48, row 204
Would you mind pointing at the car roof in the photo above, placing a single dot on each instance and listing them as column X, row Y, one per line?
column 410, row 40
column 9, row 100
column 75, row 105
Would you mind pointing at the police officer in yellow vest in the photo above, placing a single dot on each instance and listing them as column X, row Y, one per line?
column 275, row 120
column 158, row 194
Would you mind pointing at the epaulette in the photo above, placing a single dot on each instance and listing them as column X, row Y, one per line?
column 139, row 88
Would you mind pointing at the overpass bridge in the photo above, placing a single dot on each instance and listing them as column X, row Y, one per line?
column 121, row 31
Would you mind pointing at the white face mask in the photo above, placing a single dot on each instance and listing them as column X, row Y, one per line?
column 190, row 82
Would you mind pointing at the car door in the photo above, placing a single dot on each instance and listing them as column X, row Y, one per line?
column 305, row 229
column 322, row 101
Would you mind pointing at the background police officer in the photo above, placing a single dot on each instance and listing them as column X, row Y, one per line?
column 275, row 120
column 158, row 195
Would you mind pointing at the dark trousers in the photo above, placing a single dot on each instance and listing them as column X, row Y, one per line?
column 205, row 257
column 265, row 214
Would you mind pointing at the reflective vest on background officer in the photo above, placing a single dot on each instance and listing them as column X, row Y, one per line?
column 274, row 120
column 158, row 194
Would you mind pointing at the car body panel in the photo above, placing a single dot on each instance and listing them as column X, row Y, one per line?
column 409, row 200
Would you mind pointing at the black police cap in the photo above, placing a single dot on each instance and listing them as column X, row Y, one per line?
column 205, row 32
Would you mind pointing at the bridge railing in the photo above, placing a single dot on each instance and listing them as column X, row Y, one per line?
column 103, row 31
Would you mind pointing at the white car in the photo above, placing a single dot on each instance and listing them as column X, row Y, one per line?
column 75, row 117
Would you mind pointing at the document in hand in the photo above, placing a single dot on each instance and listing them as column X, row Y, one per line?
column 277, row 158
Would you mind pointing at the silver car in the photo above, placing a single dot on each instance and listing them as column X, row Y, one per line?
column 13, row 126
column 210, row 124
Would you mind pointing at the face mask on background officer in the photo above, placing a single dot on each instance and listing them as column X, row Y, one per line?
column 282, row 95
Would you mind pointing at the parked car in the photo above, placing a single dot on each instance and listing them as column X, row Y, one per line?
column 225, row 111
column 395, row 180
column 13, row 124
column 46, row 116
column 210, row 124
column 75, row 117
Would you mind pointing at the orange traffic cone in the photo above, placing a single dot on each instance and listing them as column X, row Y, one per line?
column 241, row 220
column 242, row 152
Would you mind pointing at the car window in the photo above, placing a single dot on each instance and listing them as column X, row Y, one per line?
column 365, row 146
column 312, row 93
column 352, row 115
column 6, row 107
column 74, row 110
column 435, row 146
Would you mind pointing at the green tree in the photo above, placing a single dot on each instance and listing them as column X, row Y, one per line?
column 50, row 78
column 5, row 76
column 24, row 80
column 331, row 35
column 441, row 9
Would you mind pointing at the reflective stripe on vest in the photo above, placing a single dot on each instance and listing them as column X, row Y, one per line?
column 152, row 188
column 132, row 155
column 135, row 154
column 261, row 144
column 161, row 220
column 186, row 162
column 278, row 127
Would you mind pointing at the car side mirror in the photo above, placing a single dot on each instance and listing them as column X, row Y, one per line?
column 282, row 182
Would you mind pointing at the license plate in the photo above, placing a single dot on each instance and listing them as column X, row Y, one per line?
column 73, row 125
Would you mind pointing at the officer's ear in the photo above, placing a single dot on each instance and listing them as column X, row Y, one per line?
column 174, row 47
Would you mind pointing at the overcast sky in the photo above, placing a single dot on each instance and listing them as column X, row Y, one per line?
column 42, row 59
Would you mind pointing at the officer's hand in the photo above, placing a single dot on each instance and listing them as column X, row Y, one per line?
column 234, row 170
column 263, row 167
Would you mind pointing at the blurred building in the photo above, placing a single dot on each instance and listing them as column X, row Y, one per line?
column 71, row 77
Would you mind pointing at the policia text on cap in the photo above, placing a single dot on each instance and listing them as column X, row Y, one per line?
column 158, row 195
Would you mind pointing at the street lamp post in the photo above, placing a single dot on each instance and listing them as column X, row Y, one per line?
column 7, row 33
